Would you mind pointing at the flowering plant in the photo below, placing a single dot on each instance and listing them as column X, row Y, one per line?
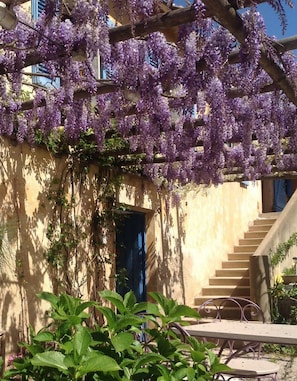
column 194, row 107
column 284, row 302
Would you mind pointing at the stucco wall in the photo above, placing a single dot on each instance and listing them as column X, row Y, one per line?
column 215, row 219
column 193, row 237
column 184, row 242
column 197, row 235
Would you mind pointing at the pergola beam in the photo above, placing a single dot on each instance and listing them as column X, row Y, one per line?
column 159, row 22
column 105, row 87
column 230, row 19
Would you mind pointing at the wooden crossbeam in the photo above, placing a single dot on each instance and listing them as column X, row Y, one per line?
column 230, row 19
column 159, row 22
column 105, row 87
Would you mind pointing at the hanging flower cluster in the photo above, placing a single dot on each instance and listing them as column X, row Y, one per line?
column 186, row 113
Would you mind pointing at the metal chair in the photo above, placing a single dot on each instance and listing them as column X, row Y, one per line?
column 241, row 368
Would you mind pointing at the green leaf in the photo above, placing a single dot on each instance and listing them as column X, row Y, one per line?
column 129, row 300
column 69, row 361
column 49, row 297
column 106, row 294
column 81, row 341
column 198, row 356
column 202, row 368
column 149, row 358
column 44, row 336
column 165, row 347
column 68, row 303
column 83, row 306
column 98, row 363
column 212, row 357
column 164, row 371
column 73, row 319
column 126, row 321
column 153, row 309
column 190, row 374
column 122, row 341
column 109, row 315
column 183, row 373
column 139, row 307
column 66, row 347
column 218, row 368
column 184, row 311
column 33, row 349
column 160, row 299
column 115, row 299
column 50, row 359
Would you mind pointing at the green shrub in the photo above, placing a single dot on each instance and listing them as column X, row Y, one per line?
column 136, row 342
column 284, row 303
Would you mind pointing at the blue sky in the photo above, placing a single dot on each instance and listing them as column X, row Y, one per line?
column 273, row 23
column 272, row 20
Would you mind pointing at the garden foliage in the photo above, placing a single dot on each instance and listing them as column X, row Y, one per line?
column 136, row 342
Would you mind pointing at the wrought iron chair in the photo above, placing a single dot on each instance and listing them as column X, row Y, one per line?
column 241, row 367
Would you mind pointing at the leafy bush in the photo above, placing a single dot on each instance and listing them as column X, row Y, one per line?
column 138, row 341
column 284, row 303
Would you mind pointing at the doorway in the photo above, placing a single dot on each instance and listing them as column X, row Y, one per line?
column 131, row 254
column 276, row 193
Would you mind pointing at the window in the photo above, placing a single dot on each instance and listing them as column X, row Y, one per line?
column 103, row 71
column 41, row 78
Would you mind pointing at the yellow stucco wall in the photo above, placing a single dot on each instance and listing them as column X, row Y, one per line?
column 184, row 243
column 214, row 219
column 192, row 238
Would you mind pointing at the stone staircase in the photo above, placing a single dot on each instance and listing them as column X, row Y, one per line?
column 232, row 278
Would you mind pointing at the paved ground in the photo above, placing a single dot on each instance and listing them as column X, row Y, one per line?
column 288, row 366
column 286, row 362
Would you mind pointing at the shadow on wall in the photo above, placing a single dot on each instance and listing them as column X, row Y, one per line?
column 26, row 178
column 170, row 264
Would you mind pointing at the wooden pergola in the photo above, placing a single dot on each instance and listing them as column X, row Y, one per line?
column 225, row 13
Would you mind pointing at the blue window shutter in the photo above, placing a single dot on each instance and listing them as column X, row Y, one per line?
column 105, row 72
column 37, row 7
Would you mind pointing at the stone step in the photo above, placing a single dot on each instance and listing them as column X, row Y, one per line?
column 239, row 256
column 265, row 221
column 247, row 241
column 259, row 228
column 255, row 234
column 274, row 215
column 232, row 279
column 226, row 291
column 232, row 272
column 229, row 281
column 245, row 248
column 203, row 298
column 235, row 264
column 231, row 313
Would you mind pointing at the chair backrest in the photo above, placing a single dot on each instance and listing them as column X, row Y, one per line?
column 234, row 308
column 176, row 327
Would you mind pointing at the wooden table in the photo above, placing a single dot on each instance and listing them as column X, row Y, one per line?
column 251, row 331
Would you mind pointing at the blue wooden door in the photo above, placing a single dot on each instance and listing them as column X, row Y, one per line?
column 130, row 261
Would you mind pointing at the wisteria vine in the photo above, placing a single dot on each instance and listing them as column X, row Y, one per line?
column 171, row 102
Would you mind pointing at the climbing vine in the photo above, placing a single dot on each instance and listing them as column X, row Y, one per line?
column 81, row 228
column 282, row 250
